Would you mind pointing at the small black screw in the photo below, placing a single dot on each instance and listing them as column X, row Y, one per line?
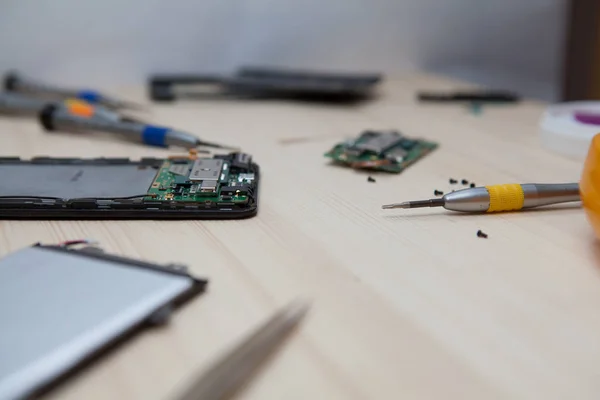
column 482, row 234
column 472, row 185
column 371, row 179
column 464, row 182
column 438, row 192
column 453, row 181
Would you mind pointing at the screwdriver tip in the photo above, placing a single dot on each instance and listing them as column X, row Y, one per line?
column 440, row 202
column 405, row 204
column 215, row 145
column 133, row 106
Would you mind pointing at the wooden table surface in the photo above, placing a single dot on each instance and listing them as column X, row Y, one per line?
column 406, row 304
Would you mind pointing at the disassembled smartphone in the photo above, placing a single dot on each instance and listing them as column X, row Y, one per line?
column 386, row 151
column 64, row 305
column 221, row 187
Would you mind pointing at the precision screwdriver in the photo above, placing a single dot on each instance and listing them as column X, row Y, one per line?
column 23, row 106
column 13, row 82
column 56, row 118
column 508, row 197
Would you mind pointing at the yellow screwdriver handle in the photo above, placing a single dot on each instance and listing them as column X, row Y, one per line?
column 506, row 197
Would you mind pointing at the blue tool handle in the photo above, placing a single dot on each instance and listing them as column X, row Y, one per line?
column 90, row 96
column 155, row 135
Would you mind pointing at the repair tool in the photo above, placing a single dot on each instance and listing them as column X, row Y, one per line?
column 233, row 370
column 25, row 106
column 58, row 118
column 508, row 197
column 13, row 82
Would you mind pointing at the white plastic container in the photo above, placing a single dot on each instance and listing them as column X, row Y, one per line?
column 563, row 134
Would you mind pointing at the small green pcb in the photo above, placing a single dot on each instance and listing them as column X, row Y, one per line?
column 201, row 181
column 387, row 151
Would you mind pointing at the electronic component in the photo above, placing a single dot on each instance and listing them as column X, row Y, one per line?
column 233, row 190
column 120, row 188
column 245, row 177
column 182, row 181
column 211, row 182
column 397, row 154
column 208, row 171
column 388, row 151
column 206, row 168
column 208, row 186
column 376, row 142
column 180, row 169
column 242, row 160
column 56, row 315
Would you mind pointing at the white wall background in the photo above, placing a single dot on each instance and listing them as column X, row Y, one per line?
column 505, row 43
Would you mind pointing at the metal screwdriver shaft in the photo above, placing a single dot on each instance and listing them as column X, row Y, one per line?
column 14, row 104
column 56, row 118
column 508, row 197
column 416, row 204
column 14, row 82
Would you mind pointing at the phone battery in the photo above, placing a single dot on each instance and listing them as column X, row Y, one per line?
column 60, row 307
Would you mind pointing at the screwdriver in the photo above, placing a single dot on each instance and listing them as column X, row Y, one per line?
column 24, row 106
column 508, row 197
column 56, row 118
column 13, row 82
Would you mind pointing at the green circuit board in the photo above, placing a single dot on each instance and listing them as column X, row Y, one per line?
column 387, row 151
column 200, row 181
